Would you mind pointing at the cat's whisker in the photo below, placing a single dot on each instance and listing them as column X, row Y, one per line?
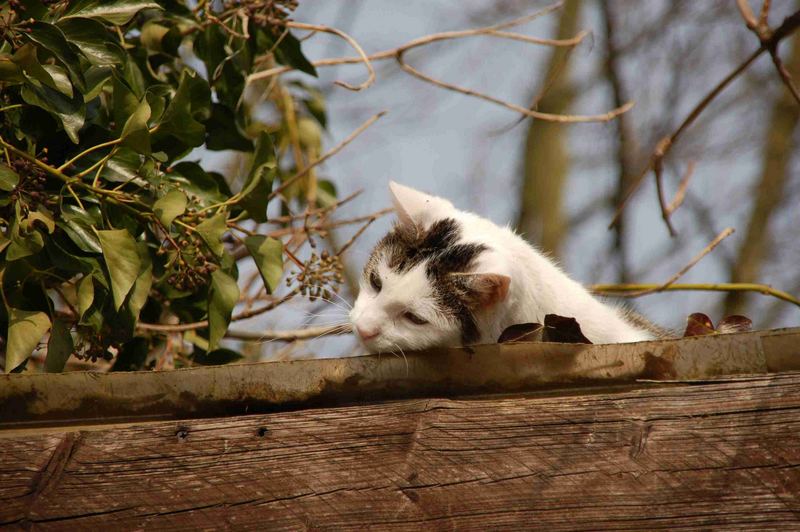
column 343, row 300
column 404, row 358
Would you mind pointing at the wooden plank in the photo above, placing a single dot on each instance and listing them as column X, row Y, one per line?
column 248, row 388
column 720, row 454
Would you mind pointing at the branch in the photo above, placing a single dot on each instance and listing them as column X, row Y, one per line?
column 697, row 258
column 309, row 333
column 605, row 117
column 789, row 25
column 637, row 290
column 362, row 56
column 497, row 31
column 336, row 149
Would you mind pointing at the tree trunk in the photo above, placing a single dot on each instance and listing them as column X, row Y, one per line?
column 769, row 191
column 546, row 159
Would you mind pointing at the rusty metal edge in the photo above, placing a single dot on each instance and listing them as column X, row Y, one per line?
column 85, row 397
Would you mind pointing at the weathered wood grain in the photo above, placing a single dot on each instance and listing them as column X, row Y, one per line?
column 251, row 388
column 720, row 454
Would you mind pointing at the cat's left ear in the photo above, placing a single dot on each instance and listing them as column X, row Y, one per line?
column 484, row 290
column 415, row 208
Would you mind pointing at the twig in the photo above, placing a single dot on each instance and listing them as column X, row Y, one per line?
column 290, row 335
column 422, row 41
column 352, row 42
column 336, row 149
column 697, row 258
column 637, row 290
column 357, row 234
column 496, row 30
column 181, row 327
column 789, row 25
column 605, row 117
column 680, row 194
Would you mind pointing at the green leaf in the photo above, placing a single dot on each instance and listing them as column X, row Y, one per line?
column 26, row 57
column 25, row 329
column 135, row 133
column 181, row 126
column 85, row 293
column 122, row 260
column 209, row 187
column 10, row 72
column 59, row 347
column 54, row 41
column 61, row 79
column 117, row 12
column 8, row 178
column 94, row 40
column 77, row 223
column 222, row 131
column 141, row 288
column 124, row 167
column 255, row 193
column 222, row 297
column 172, row 205
column 289, row 53
column 267, row 253
column 326, row 193
column 71, row 112
column 211, row 230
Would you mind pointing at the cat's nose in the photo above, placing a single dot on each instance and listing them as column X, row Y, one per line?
column 367, row 334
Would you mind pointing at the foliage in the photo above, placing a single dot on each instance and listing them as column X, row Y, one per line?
column 108, row 216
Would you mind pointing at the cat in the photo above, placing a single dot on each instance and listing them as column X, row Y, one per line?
column 446, row 277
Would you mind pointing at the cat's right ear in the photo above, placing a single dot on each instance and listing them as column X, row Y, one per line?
column 415, row 208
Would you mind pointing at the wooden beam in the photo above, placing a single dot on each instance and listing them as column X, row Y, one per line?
column 720, row 454
column 42, row 399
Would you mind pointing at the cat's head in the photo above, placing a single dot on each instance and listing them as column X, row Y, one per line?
column 418, row 288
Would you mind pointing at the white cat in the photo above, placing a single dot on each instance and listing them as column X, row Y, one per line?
column 445, row 277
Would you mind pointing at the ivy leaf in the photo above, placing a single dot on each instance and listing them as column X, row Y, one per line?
column 117, row 12
column 222, row 133
column 141, row 288
column 181, row 127
column 10, row 72
column 211, row 230
column 85, row 293
column 122, row 260
column 59, row 347
column 77, row 223
column 222, row 298
column 210, row 187
column 25, row 329
column 267, row 252
column 71, row 112
column 26, row 57
column 289, row 53
column 93, row 39
column 61, row 79
column 8, row 178
column 169, row 207
column 255, row 193
column 52, row 39
column 135, row 133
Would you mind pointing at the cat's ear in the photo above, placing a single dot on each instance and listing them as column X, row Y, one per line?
column 484, row 290
column 415, row 208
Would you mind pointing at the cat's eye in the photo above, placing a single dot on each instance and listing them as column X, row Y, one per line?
column 413, row 318
column 375, row 281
